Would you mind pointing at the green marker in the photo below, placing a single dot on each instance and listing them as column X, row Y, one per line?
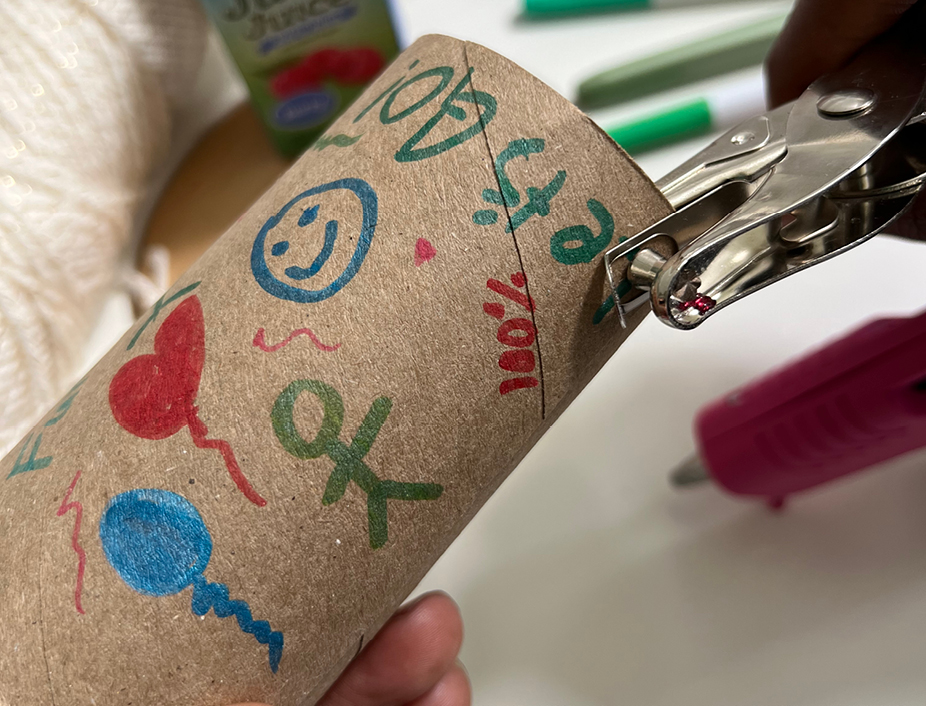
column 719, row 109
column 719, row 54
column 552, row 8
column 543, row 8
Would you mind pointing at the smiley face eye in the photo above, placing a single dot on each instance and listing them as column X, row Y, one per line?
column 308, row 216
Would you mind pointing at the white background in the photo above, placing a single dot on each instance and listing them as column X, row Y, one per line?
column 586, row 579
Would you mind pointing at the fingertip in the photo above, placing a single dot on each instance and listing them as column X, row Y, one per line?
column 454, row 689
column 436, row 615
column 412, row 653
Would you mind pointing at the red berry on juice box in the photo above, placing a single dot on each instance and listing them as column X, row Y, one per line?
column 360, row 65
column 296, row 79
column 325, row 61
column 309, row 75
column 284, row 84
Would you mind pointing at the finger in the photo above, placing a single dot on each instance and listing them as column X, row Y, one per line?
column 408, row 657
column 821, row 36
column 452, row 690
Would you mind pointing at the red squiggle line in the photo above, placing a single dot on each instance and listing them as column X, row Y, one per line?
column 198, row 431
column 75, row 544
column 259, row 341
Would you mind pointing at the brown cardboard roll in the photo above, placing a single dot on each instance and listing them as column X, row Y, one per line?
column 243, row 490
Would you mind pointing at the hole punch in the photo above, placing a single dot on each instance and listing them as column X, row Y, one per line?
column 818, row 176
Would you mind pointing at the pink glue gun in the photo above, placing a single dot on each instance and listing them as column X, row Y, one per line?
column 857, row 402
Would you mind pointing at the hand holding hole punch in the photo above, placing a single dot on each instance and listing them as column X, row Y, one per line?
column 821, row 36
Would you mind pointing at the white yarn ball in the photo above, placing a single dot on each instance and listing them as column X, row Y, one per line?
column 86, row 90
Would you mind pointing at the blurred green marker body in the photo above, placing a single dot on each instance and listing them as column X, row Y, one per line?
column 719, row 54
column 539, row 8
column 718, row 109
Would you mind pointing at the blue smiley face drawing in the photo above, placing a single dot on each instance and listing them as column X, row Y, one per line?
column 295, row 283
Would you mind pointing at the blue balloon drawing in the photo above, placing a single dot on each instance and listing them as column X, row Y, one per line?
column 294, row 287
column 159, row 545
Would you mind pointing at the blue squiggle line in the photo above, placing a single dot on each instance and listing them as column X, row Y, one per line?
column 215, row 595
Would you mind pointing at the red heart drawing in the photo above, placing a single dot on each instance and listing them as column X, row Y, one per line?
column 153, row 396
column 424, row 252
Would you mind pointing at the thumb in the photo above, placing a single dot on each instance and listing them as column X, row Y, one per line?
column 821, row 36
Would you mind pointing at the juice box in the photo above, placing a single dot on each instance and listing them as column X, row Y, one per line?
column 305, row 60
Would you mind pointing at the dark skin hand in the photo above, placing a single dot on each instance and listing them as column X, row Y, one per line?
column 822, row 36
column 412, row 661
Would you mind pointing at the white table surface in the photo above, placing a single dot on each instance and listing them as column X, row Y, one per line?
column 587, row 580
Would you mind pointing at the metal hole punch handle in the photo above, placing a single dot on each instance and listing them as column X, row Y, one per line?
column 785, row 190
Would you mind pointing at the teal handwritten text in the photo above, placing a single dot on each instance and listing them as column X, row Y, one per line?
column 538, row 199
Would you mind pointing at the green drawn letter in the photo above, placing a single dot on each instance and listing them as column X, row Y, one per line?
column 348, row 459
column 65, row 404
column 587, row 246
column 376, row 100
column 156, row 309
column 538, row 200
column 32, row 463
column 285, row 427
column 482, row 100
column 446, row 75
column 509, row 195
column 324, row 141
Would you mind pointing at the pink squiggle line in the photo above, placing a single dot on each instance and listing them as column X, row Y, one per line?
column 198, row 431
column 259, row 341
column 75, row 543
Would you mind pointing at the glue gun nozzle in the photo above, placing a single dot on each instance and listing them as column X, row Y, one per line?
column 691, row 472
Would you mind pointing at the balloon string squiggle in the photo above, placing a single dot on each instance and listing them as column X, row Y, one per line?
column 215, row 596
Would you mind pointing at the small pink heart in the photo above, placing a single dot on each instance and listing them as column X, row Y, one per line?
column 424, row 252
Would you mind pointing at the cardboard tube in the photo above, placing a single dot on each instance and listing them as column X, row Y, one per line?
column 245, row 488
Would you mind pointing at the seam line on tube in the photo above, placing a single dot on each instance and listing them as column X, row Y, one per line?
column 49, row 489
column 514, row 239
